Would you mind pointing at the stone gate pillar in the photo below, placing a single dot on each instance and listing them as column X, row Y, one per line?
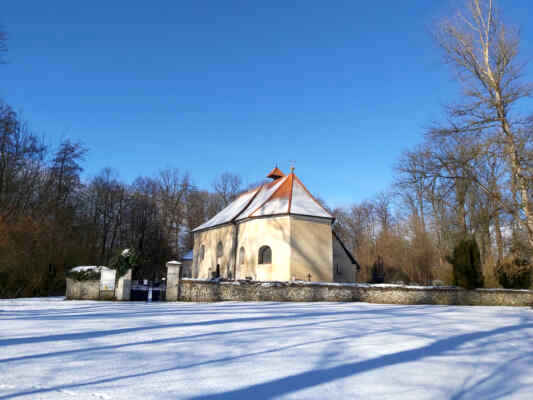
column 123, row 290
column 173, row 280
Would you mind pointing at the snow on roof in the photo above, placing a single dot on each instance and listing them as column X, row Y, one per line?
column 229, row 213
column 263, row 196
column 274, row 206
column 284, row 195
column 89, row 268
column 278, row 202
column 304, row 203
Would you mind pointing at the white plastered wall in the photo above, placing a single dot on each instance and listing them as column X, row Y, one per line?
column 270, row 231
column 300, row 246
column 203, row 269
column 311, row 244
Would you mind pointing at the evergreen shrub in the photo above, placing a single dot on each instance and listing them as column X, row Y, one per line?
column 466, row 262
column 124, row 261
column 514, row 273
column 88, row 275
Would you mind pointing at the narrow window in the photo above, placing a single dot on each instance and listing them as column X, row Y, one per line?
column 265, row 255
column 202, row 252
column 220, row 250
column 241, row 256
column 339, row 269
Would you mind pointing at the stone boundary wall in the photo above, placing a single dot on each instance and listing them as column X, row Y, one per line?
column 209, row 291
column 91, row 290
column 84, row 290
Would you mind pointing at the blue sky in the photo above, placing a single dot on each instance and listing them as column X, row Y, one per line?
column 340, row 87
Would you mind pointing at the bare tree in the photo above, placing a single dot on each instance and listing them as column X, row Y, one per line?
column 382, row 209
column 105, row 198
column 484, row 51
column 21, row 162
column 64, row 173
column 227, row 186
column 173, row 194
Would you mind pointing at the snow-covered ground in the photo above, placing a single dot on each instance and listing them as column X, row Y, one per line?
column 55, row 349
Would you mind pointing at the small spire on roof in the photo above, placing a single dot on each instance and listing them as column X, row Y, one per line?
column 292, row 165
column 275, row 174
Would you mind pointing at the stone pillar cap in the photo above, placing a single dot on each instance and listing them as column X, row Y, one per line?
column 173, row 263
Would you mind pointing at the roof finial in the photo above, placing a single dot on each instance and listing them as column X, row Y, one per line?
column 292, row 165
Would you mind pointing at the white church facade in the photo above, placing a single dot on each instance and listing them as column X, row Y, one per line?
column 275, row 232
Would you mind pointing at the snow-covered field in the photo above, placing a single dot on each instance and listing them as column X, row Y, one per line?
column 55, row 349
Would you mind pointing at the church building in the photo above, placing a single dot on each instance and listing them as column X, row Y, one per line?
column 274, row 232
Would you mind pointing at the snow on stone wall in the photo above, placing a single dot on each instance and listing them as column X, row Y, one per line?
column 208, row 291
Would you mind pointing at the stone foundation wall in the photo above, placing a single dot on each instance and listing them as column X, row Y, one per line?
column 208, row 291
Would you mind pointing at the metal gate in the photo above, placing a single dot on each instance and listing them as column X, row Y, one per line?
column 148, row 291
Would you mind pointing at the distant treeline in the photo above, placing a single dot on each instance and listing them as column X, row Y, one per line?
column 50, row 220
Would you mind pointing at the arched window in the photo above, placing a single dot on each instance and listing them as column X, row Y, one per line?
column 241, row 256
column 265, row 255
column 220, row 250
column 202, row 252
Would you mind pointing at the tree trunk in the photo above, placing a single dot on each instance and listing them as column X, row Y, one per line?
column 499, row 237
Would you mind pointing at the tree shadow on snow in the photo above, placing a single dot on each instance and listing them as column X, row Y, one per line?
column 315, row 377
column 305, row 380
column 173, row 340
column 391, row 311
